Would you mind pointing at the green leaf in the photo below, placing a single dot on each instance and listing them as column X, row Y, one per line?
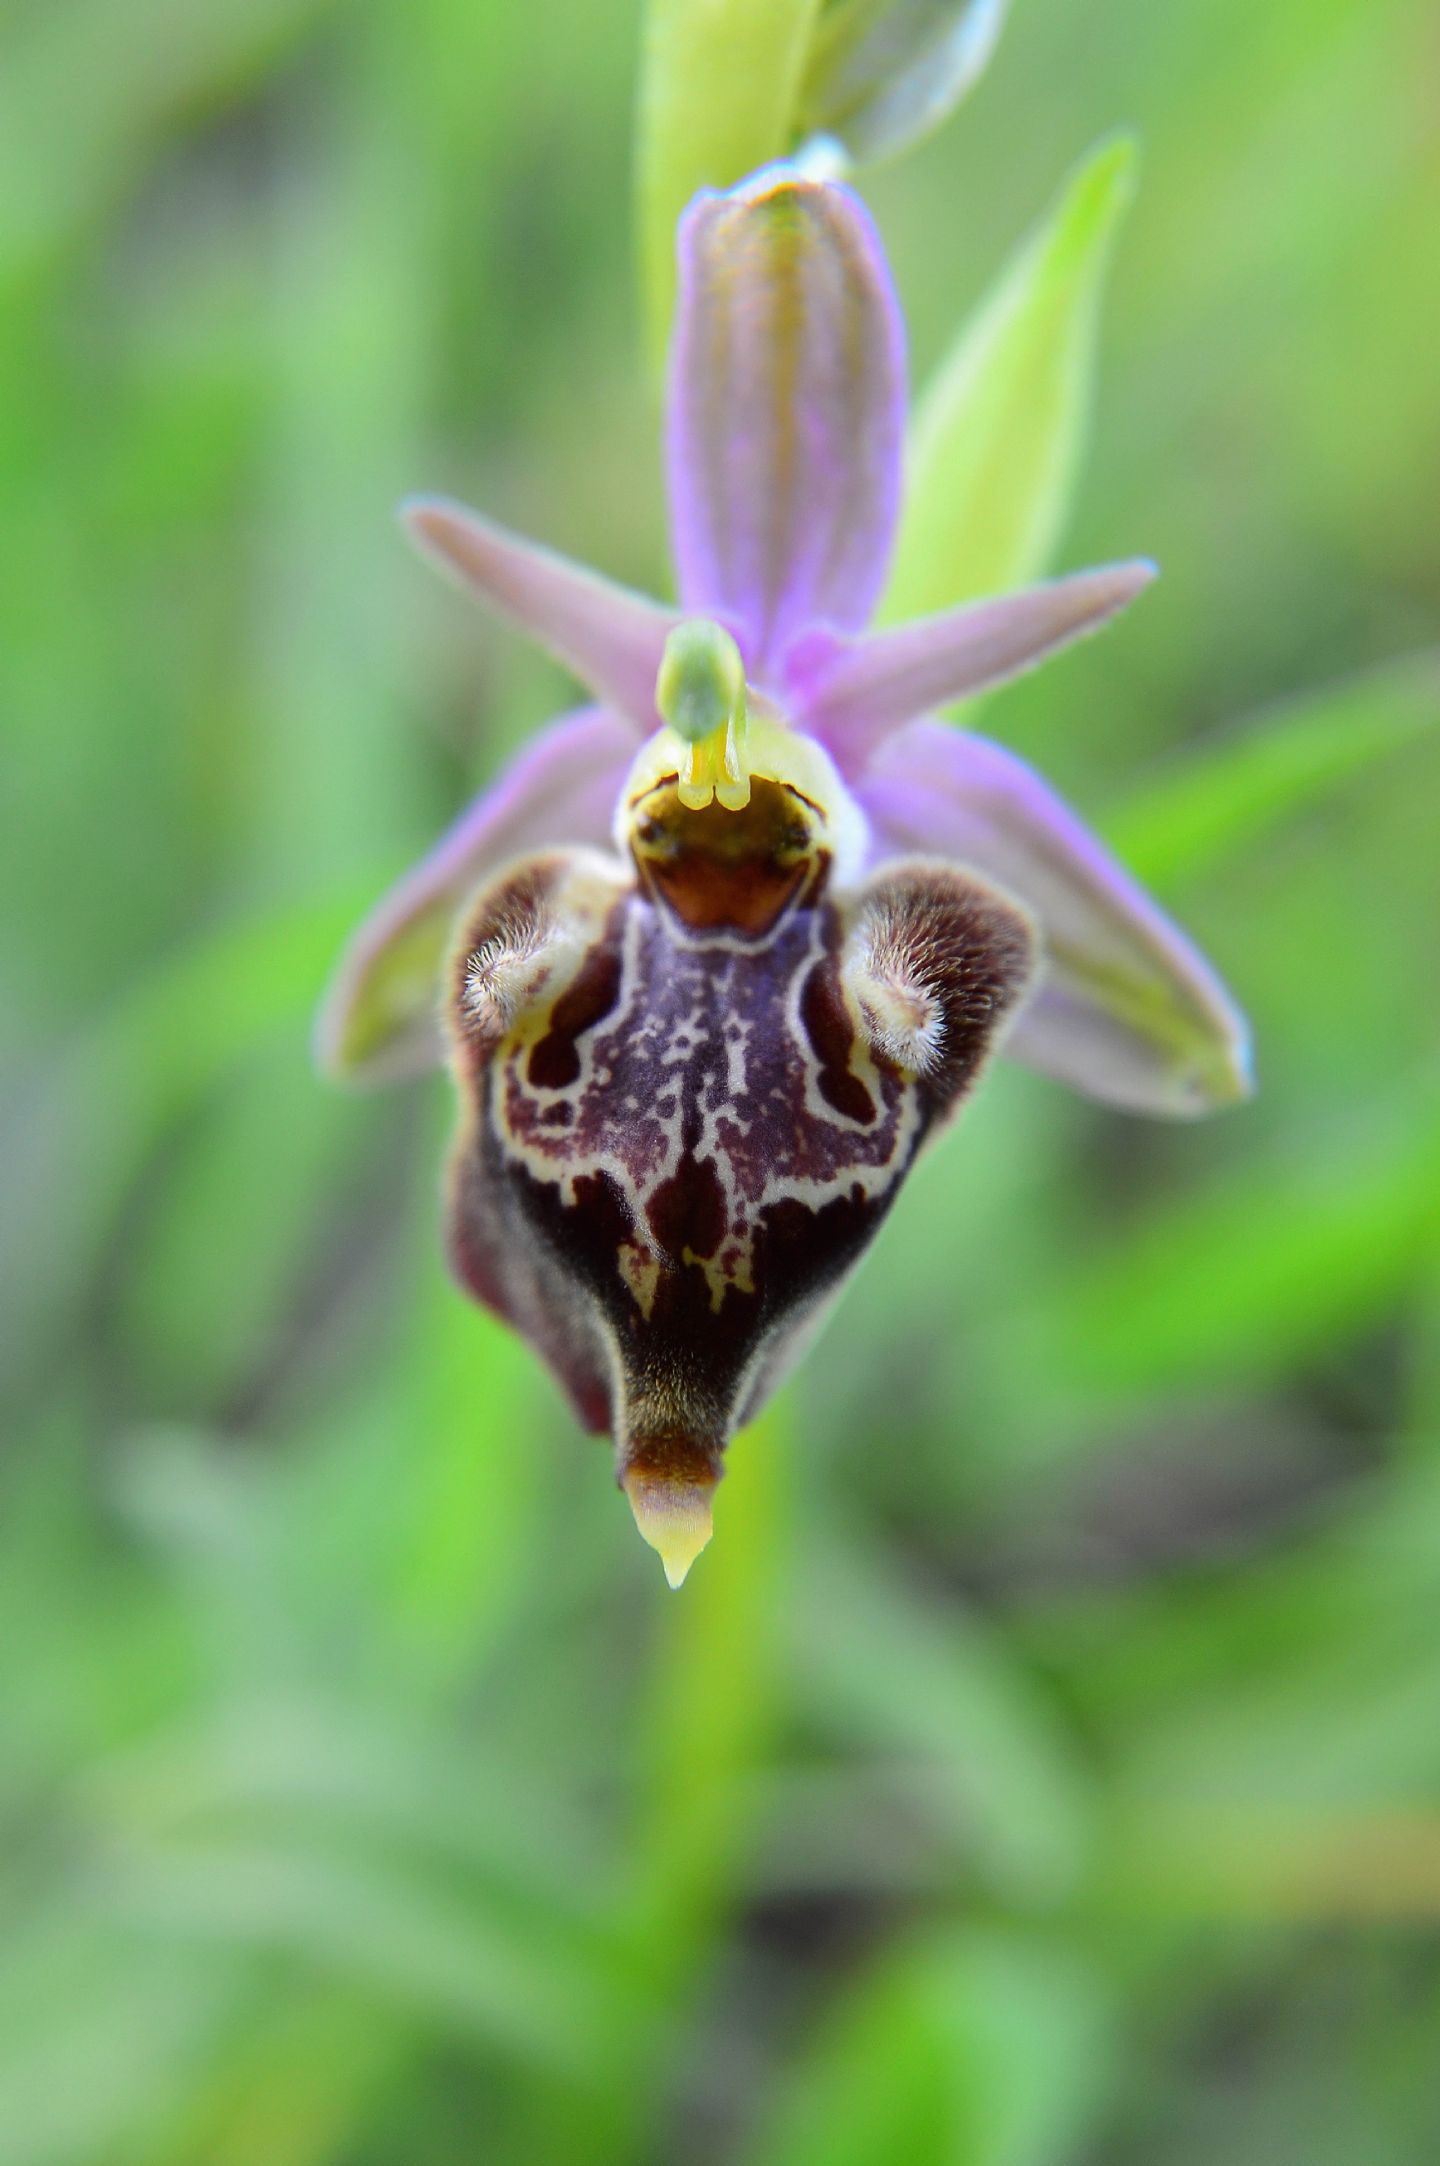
column 883, row 73
column 719, row 96
column 1236, row 791
column 995, row 442
column 972, row 2047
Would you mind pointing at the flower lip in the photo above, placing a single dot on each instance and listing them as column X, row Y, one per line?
column 673, row 1516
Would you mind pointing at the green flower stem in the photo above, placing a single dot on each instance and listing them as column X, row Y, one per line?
column 719, row 95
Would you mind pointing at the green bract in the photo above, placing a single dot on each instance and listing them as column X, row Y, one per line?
column 995, row 440
column 882, row 73
column 728, row 85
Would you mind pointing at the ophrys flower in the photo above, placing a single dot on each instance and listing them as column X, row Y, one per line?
column 725, row 949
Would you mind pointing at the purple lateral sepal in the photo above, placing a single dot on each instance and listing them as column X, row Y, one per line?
column 1126, row 1008
column 379, row 1022
column 610, row 638
column 854, row 693
column 786, row 412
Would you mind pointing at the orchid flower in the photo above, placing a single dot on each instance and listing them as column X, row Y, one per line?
column 717, row 954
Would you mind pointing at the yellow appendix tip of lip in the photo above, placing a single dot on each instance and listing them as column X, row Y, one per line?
column 673, row 1517
column 700, row 692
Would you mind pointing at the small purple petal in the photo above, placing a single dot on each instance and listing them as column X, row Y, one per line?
column 861, row 691
column 1126, row 1009
column 612, row 639
column 787, row 395
column 378, row 1022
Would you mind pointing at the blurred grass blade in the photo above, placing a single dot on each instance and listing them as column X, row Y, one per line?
column 321, row 2064
column 719, row 93
column 469, row 1532
column 142, row 2020
column 123, row 94
column 889, row 1667
column 1235, row 792
column 1266, row 1269
column 995, row 441
column 357, row 1773
column 145, row 1062
column 883, row 73
column 971, row 2047
column 495, row 1971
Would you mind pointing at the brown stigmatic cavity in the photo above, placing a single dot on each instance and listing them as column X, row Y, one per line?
column 727, row 871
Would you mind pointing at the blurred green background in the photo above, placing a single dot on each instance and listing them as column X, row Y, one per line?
column 1043, row 1767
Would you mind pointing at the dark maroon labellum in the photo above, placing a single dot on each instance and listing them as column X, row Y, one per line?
column 690, row 1095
